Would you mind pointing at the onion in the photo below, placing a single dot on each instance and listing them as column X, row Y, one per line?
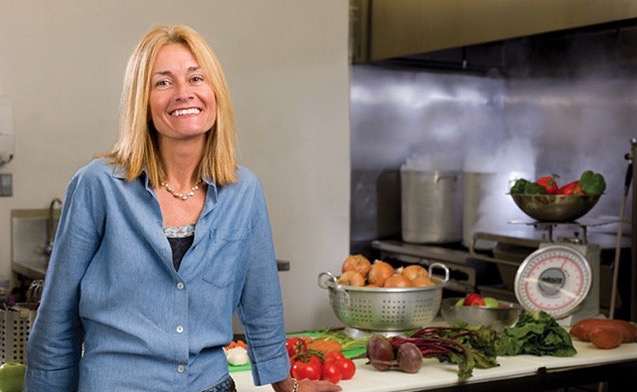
column 397, row 280
column 351, row 278
column 423, row 281
column 358, row 263
column 379, row 273
column 415, row 271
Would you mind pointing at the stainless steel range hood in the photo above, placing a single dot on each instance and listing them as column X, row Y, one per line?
column 383, row 29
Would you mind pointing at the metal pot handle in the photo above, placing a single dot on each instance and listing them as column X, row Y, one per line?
column 326, row 280
column 442, row 266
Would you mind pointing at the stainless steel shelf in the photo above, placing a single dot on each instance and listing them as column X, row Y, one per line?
column 30, row 269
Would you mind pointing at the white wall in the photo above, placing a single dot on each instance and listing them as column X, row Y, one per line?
column 61, row 64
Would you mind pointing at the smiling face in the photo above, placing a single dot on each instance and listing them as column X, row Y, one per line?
column 182, row 102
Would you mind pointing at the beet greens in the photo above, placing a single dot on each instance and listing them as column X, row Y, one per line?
column 467, row 348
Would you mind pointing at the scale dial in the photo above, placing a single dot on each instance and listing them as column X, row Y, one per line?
column 555, row 279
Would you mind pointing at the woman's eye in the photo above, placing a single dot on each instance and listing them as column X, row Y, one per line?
column 162, row 83
column 197, row 79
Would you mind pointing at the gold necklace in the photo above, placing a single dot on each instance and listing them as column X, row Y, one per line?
column 181, row 196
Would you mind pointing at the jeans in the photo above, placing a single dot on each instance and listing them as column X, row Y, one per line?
column 226, row 385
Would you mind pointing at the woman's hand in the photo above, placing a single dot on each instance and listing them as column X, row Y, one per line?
column 306, row 385
column 318, row 386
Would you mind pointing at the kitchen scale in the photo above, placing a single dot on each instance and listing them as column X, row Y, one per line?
column 560, row 277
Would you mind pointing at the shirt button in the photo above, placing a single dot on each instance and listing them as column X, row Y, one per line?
column 180, row 329
column 181, row 368
column 180, row 285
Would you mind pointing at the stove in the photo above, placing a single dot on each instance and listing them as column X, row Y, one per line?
column 463, row 271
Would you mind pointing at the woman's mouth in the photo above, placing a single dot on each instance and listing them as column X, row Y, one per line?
column 183, row 112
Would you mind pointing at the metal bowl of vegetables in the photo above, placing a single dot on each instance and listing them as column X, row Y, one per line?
column 385, row 309
column 555, row 208
column 496, row 316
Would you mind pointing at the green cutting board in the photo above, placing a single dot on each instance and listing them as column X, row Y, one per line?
column 314, row 334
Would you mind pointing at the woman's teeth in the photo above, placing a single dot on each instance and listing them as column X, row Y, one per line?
column 182, row 112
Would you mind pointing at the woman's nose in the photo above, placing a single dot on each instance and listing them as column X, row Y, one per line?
column 183, row 92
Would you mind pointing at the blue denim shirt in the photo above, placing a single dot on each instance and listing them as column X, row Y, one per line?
column 116, row 316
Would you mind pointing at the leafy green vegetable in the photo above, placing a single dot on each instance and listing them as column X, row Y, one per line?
column 592, row 183
column 518, row 186
column 533, row 188
column 525, row 187
column 535, row 333
column 468, row 348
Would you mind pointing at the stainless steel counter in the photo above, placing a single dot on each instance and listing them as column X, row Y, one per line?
column 30, row 235
column 33, row 269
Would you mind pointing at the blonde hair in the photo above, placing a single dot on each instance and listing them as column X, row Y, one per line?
column 136, row 148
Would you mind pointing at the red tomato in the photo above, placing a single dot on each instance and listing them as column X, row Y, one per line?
column 333, row 356
column 295, row 345
column 331, row 372
column 347, row 367
column 309, row 370
column 473, row 299
column 315, row 359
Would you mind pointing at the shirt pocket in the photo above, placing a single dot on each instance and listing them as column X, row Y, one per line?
column 227, row 250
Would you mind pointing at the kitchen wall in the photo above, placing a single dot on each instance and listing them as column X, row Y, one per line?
column 61, row 64
column 556, row 103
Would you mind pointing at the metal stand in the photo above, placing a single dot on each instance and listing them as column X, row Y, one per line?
column 633, row 268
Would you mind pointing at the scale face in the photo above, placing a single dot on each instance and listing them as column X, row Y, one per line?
column 555, row 279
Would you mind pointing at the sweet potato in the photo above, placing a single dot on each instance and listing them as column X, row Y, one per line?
column 583, row 328
column 605, row 337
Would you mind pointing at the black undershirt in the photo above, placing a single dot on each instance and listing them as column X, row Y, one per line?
column 180, row 246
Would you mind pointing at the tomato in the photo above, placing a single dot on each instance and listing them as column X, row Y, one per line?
column 473, row 299
column 347, row 367
column 310, row 370
column 315, row 359
column 331, row 372
column 295, row 345
column 333, row 356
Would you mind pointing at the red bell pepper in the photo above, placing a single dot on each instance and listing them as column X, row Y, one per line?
column 549, row 183
column 572, row 188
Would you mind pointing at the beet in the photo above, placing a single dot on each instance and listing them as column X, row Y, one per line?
column 409, row 358
column 380, row 352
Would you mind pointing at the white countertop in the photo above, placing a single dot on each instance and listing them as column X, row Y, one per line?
column 436, row 375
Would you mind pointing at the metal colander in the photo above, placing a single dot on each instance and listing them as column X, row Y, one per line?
column 385, row 309
column 15, row 326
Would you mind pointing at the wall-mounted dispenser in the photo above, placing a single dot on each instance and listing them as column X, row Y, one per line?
column 7, row 139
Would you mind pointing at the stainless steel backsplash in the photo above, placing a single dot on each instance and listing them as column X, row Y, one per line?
column 562, row 106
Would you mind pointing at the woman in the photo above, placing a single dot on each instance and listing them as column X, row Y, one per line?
column 159, row 243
